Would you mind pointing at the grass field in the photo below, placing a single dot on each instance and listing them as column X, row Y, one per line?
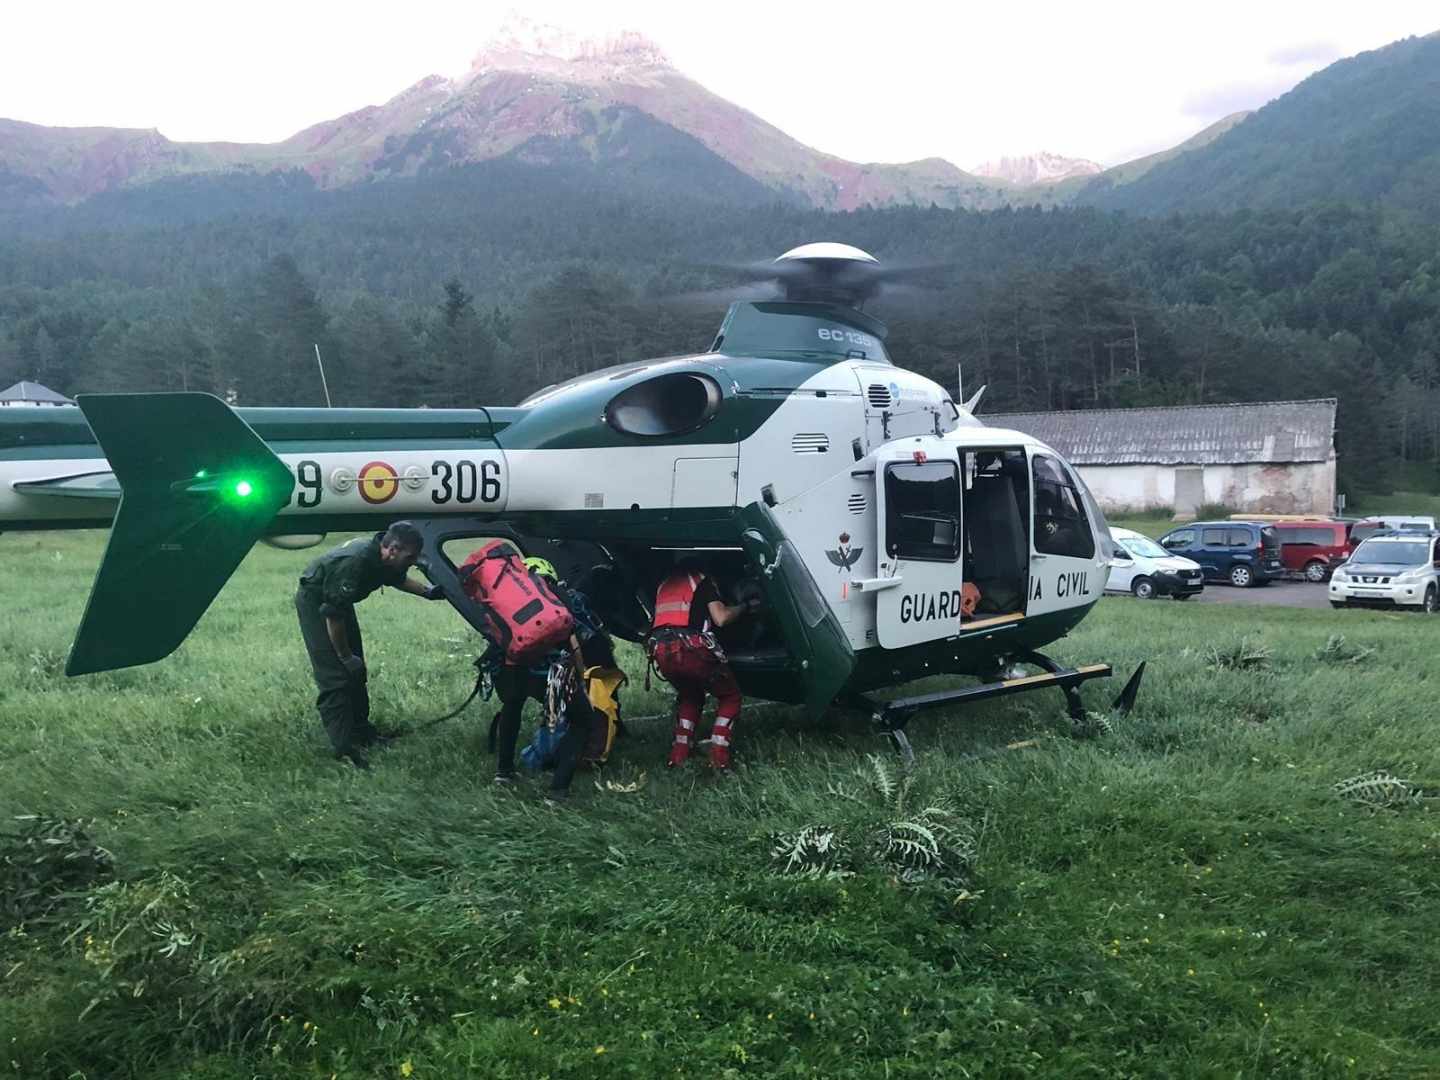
column 1185, row 895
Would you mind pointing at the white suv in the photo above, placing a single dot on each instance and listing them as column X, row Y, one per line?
column 1395, row 570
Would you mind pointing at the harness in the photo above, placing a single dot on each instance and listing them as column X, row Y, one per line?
column 671, row 628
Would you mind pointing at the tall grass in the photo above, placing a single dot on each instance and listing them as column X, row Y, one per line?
column 1201, row 891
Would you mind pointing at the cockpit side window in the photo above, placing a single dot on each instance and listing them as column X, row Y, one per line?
column 1061, row 527
column 922, row 511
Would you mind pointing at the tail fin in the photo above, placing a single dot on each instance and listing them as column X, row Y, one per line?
column 198, row 488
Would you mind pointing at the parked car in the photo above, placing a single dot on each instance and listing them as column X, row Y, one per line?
column 1143, row 567
column 1314, row 548
column 1370, row 526
column 1244, row 553
column 1395, row 570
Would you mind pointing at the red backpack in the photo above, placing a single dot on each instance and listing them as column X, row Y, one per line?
column 526, row 619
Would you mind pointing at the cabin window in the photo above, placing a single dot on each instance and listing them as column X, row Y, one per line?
column 1308, row 537
column 922, row 511
column 666, row 405
column 1061, row 527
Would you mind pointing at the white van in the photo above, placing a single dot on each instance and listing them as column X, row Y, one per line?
column 1379, row 523
column 1143, row 567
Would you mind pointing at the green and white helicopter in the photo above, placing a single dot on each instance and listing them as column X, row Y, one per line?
column 859, row 499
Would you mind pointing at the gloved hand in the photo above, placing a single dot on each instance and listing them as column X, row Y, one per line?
column 434, row 592
column 354, row 667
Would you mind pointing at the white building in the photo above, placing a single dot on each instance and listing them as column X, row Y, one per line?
column 1267, row 457
column 30, row 394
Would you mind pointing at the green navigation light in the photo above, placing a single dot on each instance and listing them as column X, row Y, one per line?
column 243, row 489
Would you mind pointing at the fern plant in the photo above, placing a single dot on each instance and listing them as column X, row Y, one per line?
column 884, row 830
column 1244, row 655
column 816, row 851
column 1380, row 788
column 1337, row 651
column 1091, row 726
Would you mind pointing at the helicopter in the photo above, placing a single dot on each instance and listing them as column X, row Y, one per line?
column 890, row 535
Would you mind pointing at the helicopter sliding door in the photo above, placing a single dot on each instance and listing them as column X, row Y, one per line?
column 918, row 499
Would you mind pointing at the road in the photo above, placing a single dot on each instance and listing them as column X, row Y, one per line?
column 1294, row 594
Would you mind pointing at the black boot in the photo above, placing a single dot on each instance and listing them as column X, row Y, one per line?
column 353, row 755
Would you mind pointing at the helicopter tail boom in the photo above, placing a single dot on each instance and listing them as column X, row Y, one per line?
column 198, row 488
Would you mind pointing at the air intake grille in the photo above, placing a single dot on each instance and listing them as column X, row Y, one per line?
column 878, row 396
column 858, row 503
column 810, row 443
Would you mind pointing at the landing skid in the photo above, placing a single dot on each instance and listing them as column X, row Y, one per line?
column 890, row 717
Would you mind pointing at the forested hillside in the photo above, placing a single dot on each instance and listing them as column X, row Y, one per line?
column 484, row 283
column 1365, row 129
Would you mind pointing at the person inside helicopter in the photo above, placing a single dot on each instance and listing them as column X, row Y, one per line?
column 683, row 648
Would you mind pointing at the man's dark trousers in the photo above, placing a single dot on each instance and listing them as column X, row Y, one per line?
column 342, row 700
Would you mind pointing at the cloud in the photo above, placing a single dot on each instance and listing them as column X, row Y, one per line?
column 1311, row 52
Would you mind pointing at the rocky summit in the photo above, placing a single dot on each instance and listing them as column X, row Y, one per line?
column 1041, row 168
column 534, row 92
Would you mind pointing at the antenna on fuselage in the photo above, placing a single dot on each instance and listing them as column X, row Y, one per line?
column 323, row 384
column 974, row 401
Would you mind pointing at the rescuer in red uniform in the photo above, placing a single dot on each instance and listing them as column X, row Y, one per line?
column 687, row 608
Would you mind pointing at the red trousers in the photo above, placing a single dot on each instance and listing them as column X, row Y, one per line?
column 694, row 670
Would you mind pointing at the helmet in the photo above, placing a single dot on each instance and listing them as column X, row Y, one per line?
column 542, row 567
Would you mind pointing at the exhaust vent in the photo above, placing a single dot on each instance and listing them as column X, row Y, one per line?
column 878, row 395
column 859, row 503
column 810, row 443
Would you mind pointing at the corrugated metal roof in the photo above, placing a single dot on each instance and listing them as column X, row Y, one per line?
column 33, row 391
column 1266, row 431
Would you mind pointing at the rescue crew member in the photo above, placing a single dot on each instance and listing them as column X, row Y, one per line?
column 514, row 685
column 684, row 650
column 329, row 589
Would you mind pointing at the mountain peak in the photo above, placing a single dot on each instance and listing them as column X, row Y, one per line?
column 1041, row 168
column 523, row 45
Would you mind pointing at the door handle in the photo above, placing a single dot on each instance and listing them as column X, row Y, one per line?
column 875, row 584
column 1037, row 557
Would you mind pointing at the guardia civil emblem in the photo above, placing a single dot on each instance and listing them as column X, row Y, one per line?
column 845, row 556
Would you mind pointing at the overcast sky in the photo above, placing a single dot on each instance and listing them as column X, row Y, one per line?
column 869, row 81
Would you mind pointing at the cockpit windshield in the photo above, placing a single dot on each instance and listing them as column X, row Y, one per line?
column 1108, row 547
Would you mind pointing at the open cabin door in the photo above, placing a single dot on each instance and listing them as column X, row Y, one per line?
column 812, row 632
column 918, row 525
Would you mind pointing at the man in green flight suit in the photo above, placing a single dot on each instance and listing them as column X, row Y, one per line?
column 330, row 588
